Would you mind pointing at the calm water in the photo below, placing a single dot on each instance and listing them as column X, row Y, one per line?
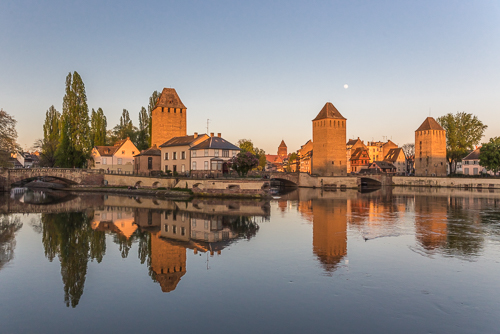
column 394, row 261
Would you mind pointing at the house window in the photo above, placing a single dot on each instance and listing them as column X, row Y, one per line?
column 123, row 152
column 193, row 154
column 166, row 156
column 174, row 229
column 166, row 168
column 216, row 153
column 194, row 165
column 206, row 152
column 174, row 156
column 133, row 152
column 183, row 231
column 119, row 161
column 183, row 168
column 166, row 228
column 150, row 162
column 225, row 153
column 234, row 153
column 206, row 165
column 183, row 155
column 104, row 161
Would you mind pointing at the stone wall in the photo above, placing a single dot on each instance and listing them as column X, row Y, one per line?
column 308, row 181
column 167, row 123
column 121, row 180
column 430, row 153
column 415, row 181
column 329, row 156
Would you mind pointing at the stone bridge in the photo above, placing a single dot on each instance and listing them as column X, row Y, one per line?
column 67, row 175
column 288, row 179
column 374, row 180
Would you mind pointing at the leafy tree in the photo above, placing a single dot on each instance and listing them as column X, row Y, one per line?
column 243, row 162
column 153, row 100
column 47, row 149
column 463, row 132
column 52, row 125
column 8, row 136
column 246, row 145
column 9, row 226
column 292, row 159
column 98, row 127
column 489, row 155
column 74, row 144
column 125, row 128
column 143, row 131
column 408, row 149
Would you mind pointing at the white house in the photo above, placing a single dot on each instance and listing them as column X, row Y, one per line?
column 118, row 158
column 211, row 156
column 175, row 155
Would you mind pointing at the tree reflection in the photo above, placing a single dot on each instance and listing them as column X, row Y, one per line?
column 8, row 227
column 70, row 236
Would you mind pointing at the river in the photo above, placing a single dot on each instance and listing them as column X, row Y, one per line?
column 400, row 260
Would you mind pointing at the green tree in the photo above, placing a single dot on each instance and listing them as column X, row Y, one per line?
column 246, row 145
column 74, row 144
column 243, row 162
column 125, row 129
column 153, row 100
column 292, row 160
column 489, row 155
column 98, row 125
column 143, row 131
column 8, row 136
column 51, row 136
column 463, row 132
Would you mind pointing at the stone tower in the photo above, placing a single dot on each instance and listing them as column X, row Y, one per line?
column 168, row 118
column 282, row 150
column 329, row 138
column 430, row 149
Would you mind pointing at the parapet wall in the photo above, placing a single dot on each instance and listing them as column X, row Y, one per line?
column 421, row 181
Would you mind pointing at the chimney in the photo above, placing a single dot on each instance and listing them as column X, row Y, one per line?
column 211, row 134
column 219, row 134
column 195, row 135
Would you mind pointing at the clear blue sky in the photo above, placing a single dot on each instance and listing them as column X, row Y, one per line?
column 257, row 69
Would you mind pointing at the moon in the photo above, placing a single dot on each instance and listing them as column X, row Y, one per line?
column 346, row 86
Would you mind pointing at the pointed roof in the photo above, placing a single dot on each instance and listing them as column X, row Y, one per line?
column 329, row 111
column 282, row 143
column 169, row 99
column 430, row 124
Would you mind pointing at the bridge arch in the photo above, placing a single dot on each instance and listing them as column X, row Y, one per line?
column 369, row 182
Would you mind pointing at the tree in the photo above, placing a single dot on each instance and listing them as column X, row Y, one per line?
column 51, row 135
column 47, row 149
column 246, row 145
column 408, row 149
column 74, row 144
column 143, row 132
column 125, row 129
column 243, row 162
column 153, row 100
column 489, row 155
column 292, row 159
column 8, row 136
column 98, row 125
column 463, row 132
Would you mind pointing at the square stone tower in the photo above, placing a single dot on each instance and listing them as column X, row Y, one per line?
column 168, row 119
column 282, row 150
column 430, row 149
column 329, row 138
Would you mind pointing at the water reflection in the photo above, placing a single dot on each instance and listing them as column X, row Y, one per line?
column 8, row 228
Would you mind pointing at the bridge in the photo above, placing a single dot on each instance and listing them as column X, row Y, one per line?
column 288, row 179
column 69, row 176
column 374, row 180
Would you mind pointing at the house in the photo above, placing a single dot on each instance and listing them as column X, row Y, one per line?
column 118, row 158
column 175, row 154
column 351, row 146
column 375, row 150
column 360, row 159
column 397, row 157
column 379, row 167
column 470, row 164
column 277, row 162
column 304, row 156
column 210, row 157
column 147, row 161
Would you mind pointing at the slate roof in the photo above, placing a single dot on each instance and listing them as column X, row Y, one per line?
column 108, row 151
column 170, row 99
column 215, row 142
column 181, row 141
column 358, row 152
column 329, row 111
column 474, row 155
column 152, row 151
column 430, row 124
column 383, row 165
column 393, row 154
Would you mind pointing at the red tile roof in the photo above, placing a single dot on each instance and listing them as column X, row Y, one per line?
column 169, row 99
column 329, row 111
column 430, row 124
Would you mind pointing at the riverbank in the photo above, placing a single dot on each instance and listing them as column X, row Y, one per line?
column 162, row 193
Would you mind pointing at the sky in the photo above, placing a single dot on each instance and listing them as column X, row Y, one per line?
column 259, row 70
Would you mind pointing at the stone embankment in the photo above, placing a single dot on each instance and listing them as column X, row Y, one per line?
column 448, row 182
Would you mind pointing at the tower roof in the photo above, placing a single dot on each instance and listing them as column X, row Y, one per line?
column 430, row 124
column 170, row 99
column 329, row 111
column 282, row 143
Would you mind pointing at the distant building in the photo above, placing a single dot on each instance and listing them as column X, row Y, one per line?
column 360, row 159
column 351, row 146
column 277, row 162
column 210, row 157
column 397, row 157
column 305, row 155
column 118, row 158
column 470, row 164
column 175, row 154
column 147, row 161
column 430, row 149
column 168, row 118
column 380, row 167
column 329, row 137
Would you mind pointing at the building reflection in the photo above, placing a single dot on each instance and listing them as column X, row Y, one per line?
column 431, row 221
column 329, row 231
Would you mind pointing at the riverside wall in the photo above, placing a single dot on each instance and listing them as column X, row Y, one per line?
column 448, row 182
